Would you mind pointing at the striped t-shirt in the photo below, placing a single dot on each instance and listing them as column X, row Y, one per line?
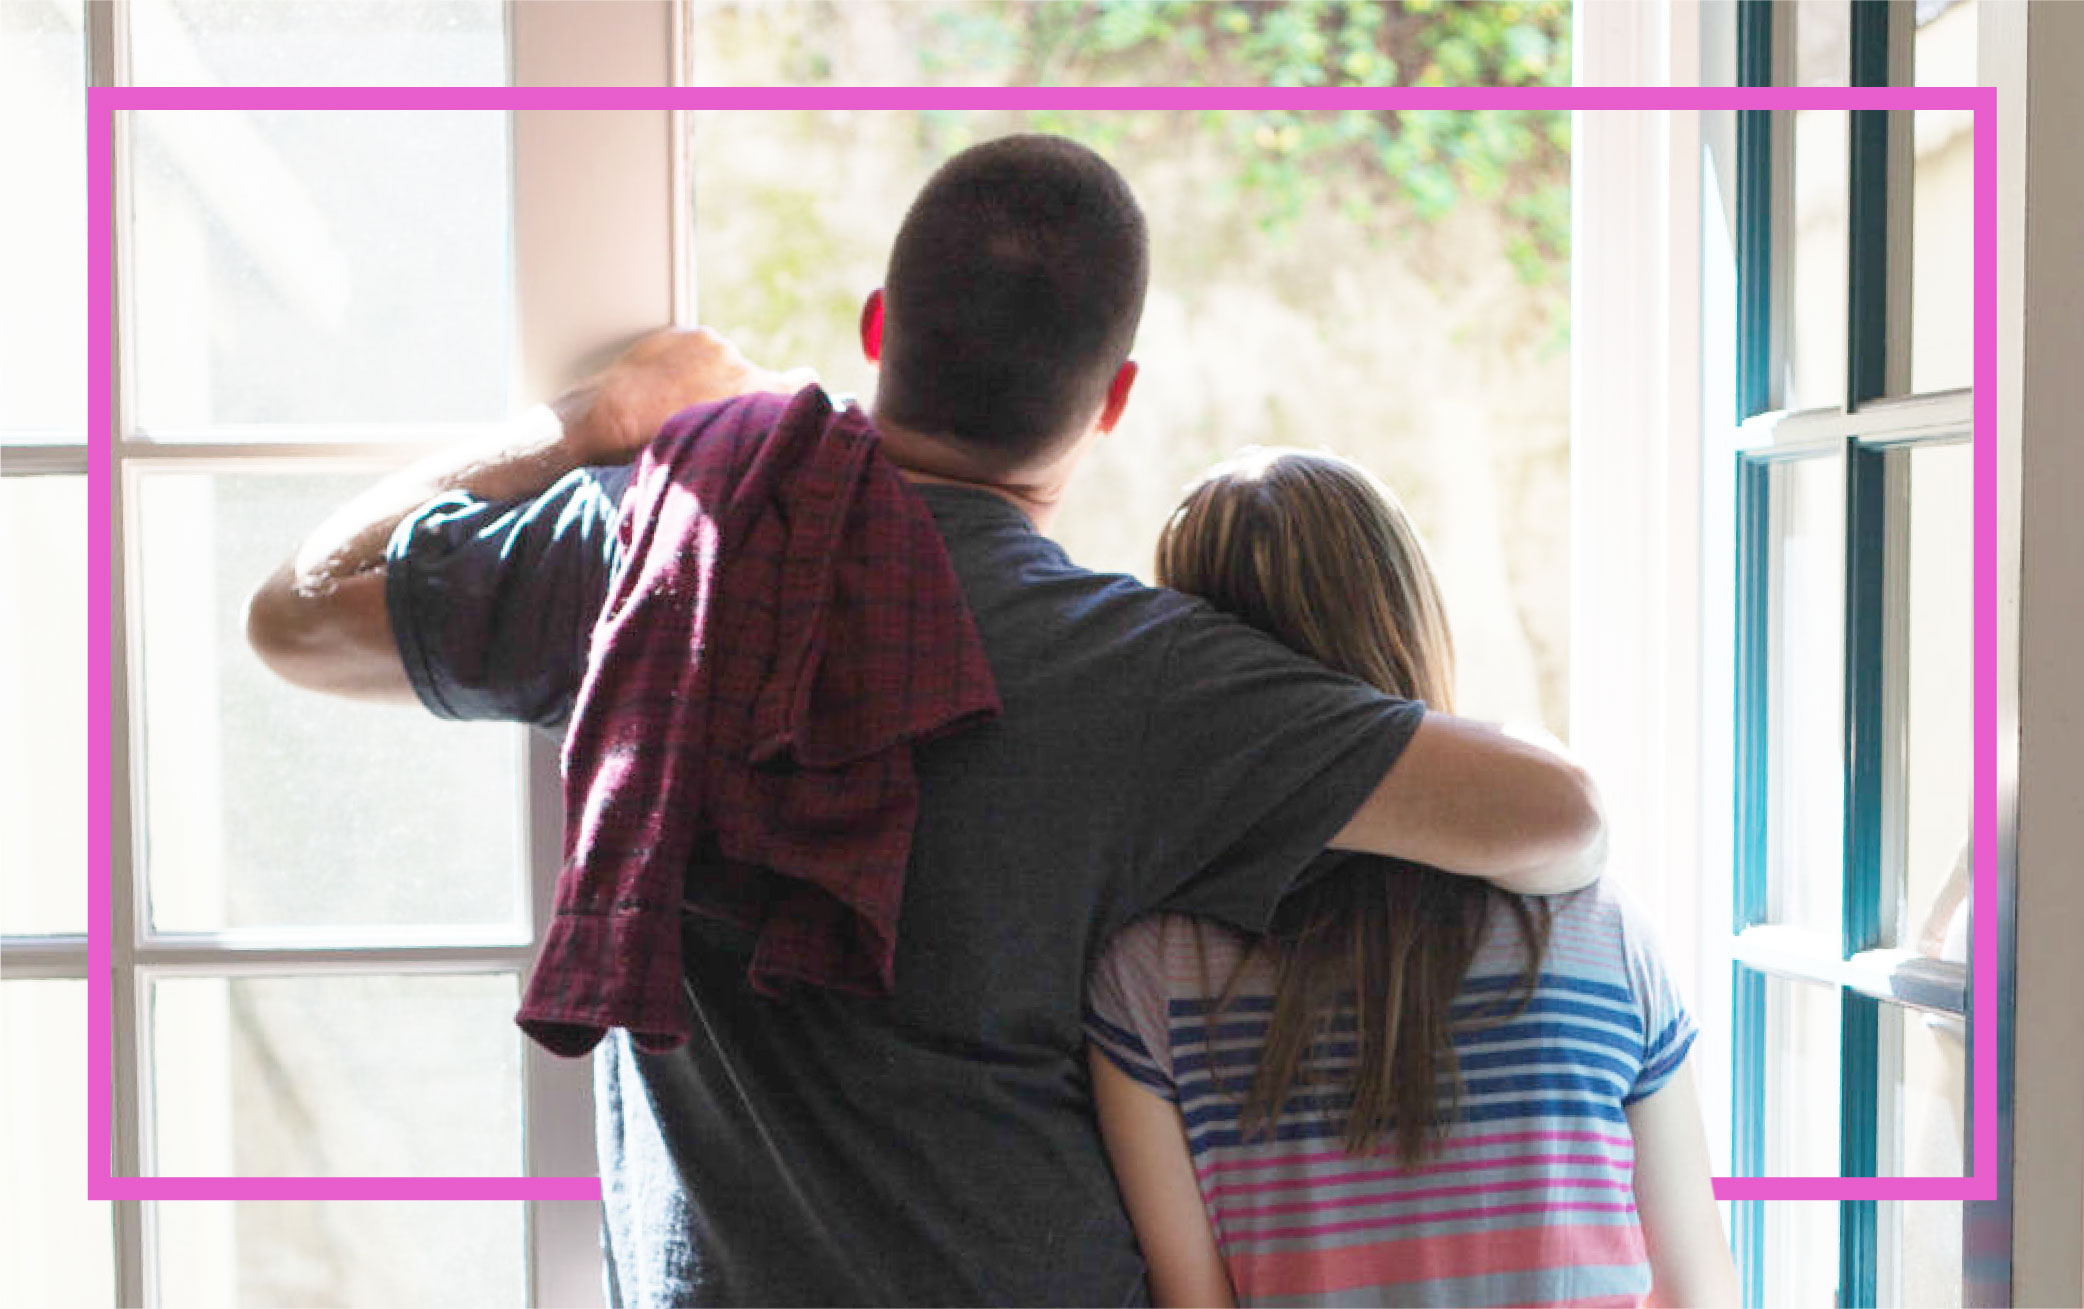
column 1530, row 1200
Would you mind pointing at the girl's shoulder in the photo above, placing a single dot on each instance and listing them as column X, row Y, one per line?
column 1174, row 954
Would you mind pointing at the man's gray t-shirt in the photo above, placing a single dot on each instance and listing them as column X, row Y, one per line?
column 937, row 1146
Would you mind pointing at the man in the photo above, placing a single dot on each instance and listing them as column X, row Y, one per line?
column 936, row 1144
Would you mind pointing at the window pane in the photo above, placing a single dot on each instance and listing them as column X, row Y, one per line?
column 1938, row 659
column 1802, row 1079
column 56, row 1246
column 355, row 1255
column 1931, row 1098
column 339, row 43
column 1815, row 316
column 1924, row 1257
column 1801, row 1238
column 1805, row 730
column 1921, row 1240
column 337, row 1076
column 1818, row 222
column 1823, row 42
column 319, row 268
column 1942, row 341
column 1341, row 305
column 43, row 245
column 266, row 805
column 43, row 705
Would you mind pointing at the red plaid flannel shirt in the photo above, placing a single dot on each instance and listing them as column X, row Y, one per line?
column 786, row 623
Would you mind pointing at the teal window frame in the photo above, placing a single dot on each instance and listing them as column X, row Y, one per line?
column 1875, row 441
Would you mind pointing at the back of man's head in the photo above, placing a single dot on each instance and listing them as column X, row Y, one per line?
column 1012, row 297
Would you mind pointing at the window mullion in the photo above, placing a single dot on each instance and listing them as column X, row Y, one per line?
column 593, row 266
column 108, row 65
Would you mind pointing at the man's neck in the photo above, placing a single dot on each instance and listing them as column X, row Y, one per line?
column 929, row 460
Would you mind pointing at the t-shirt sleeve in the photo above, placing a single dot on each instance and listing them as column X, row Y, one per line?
column 1126, row 1010
column 1253, row 758
column 1668, row 1026
column 492, row 603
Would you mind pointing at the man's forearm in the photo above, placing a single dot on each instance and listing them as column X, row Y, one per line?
column 321, row 620
column 1468, row 798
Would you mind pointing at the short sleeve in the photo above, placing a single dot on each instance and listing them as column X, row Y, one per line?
column 492, row 603
column 1126, row 1009
column 1668, row 1026
column 1254, row 757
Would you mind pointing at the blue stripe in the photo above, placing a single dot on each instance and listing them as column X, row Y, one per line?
column 1191, row 1052
column 1216, row 1106
column 1331, row 1055
column 1148, row 1076
column 1120, row 1036
column 1195, row 1006
column 1217, row 1138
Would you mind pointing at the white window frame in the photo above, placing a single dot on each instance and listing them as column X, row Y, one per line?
column 1653, row 720
column 600, row 206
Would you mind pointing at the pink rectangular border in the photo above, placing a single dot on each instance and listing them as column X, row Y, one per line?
column 104, row 102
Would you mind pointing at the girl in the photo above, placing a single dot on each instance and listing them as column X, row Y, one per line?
column 1414, row 1088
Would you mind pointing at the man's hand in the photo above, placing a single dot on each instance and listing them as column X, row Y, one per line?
column 610, row 417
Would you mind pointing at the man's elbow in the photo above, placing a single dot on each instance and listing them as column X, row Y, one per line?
column 337, row 642
column 1570, row 851
column 279, row 626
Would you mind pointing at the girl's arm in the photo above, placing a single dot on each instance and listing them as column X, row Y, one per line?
column 1147, row 1143
column 1690, row 1262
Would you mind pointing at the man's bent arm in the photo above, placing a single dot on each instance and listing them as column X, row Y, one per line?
column 321, row 620
column 1466, row 797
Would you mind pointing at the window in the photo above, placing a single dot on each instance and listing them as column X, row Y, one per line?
column 1398, row 283
column 314, row 972
column 1853, row 727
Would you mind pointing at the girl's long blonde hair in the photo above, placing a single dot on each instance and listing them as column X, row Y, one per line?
column 1313, row 550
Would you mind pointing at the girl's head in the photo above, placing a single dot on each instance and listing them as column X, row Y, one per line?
column 1312, row 550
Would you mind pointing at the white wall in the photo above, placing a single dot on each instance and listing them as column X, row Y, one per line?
column 2030, row 52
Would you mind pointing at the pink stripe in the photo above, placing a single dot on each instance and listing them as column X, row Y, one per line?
column 1399, row 1197
column 1413, row 1260
column 1452, row 1215
column 1431, row 1170
column 1455, row 1146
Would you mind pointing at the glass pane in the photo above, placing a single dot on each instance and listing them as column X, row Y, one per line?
column 1823, row 42
column 43, row 705
column 354, row 1255
column 270, row 806
column 1942, row 341
column 1818, row 223
column 1921, row 1240
column 1931, row 1099
column 1925, row 1253
column 339, row 43
column 1328, row 250
column 337, row 1075
column 43, row 245
column 1801, row 1263
column 320, row 268
column 1802, row 1079
column 1805, row 728
column 57, row 1247
column 1938, row 659
column 1815, row 320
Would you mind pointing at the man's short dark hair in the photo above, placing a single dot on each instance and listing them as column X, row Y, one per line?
column 1012, row 296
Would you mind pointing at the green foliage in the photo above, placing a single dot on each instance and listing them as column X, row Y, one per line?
column 1380, row 169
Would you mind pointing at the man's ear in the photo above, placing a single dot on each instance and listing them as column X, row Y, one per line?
column 872, row 327
column 1118, row 395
